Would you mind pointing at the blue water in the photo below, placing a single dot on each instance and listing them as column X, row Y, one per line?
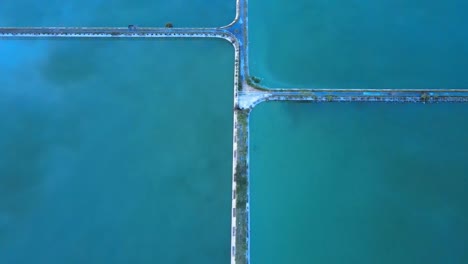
column 359, row 183
column 115, row 151
column 120, row 151
column 100, row 13
column 359, row 43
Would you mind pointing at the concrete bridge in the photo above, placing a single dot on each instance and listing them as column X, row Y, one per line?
column 246, row 95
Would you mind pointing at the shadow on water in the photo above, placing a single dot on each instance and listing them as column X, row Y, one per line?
column 22, row 145
column 72, row 63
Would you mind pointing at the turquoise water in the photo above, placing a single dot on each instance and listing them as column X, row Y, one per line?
column 115, row 151
column 359, row 44
column 147, row 13
column 359, row 183
column 120, row 151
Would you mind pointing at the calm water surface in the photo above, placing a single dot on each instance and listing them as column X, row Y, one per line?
column 359, row 183
column 148, row 13
column 115, row 151
column 359, row 43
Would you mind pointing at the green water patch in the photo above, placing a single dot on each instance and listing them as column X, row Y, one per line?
column 186, row 13
column 359, row 44
column 115, row 151
column 359, row 183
